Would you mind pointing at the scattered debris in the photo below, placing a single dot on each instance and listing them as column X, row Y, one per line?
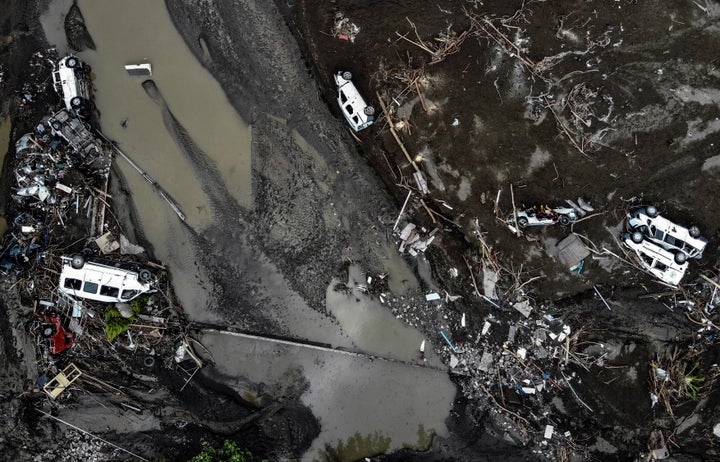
column 344, row 29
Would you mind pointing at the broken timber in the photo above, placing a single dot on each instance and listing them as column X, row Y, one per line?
column 394, row 133
column 62, row 381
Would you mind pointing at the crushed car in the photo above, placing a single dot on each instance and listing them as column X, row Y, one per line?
column 57, row 337
column 647, row 223
column 654, row 259
column 104, row 280
column 71, row 81
column 357, row 112
column 541, row 216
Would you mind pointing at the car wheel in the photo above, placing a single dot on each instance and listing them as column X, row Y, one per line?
column 48, row 331
column 347, row 75
column 694, row 232
column 149, row 361
column 369, row 110
column 651, row 211
column 636, row 237
column 56, row 125
column 71, row 63
column 680, row 258
column 76, row 102
column 144, row 275
column 564, row 220
column 522, row 222
column 78, row 261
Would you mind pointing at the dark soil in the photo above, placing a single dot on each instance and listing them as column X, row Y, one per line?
column 647, row 154
column 649, row 91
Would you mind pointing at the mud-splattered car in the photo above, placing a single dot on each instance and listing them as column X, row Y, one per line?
column 107, row 282
column 647, row 223
column 71, row 80
column 58, row 339
column 654, row 259
column 541, row 216
column 358, row 113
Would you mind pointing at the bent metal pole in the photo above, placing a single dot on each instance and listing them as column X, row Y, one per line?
column 91, row 435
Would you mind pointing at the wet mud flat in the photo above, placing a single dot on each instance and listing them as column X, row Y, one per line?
column 294, row 221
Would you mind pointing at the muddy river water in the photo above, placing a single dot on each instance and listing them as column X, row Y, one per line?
column 398, row 400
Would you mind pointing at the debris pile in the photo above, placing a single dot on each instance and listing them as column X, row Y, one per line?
column 344, row 29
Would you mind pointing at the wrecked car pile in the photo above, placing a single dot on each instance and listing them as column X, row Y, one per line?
column 92, row 300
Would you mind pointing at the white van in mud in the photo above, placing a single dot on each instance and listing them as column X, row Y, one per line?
column 71, row 80
column 359, row 114
column 654, row 259
column 684, row 243
column 103, row 282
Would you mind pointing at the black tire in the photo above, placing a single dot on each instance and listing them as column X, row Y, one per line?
column 347, row 75
column 56, row 125
column 680, row 258
column 369, row 110
column 651, row 211
column 71, row 63
column 637, row 237
column 564, row 220
column 144, row 275
column 694, row 232
column 48, row 330
column 149, row 361
column 78, row 261
column 76, row 102
column 522, row 222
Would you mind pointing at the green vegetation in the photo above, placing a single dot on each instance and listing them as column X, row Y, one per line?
column 424, row 441
column 115, row 324
column 679, row 376
column 229, row 452
column 356, row 448
column 138, row 303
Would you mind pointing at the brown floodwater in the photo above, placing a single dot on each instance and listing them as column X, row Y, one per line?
column 349, row 395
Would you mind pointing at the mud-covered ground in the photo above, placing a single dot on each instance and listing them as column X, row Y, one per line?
column 640, row 78
column 636, row 74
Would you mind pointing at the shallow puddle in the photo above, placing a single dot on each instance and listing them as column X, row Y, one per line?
column 371, row 326
column 366, row 404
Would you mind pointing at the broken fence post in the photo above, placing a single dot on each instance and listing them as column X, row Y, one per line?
column 601, row 297
column 402, row 210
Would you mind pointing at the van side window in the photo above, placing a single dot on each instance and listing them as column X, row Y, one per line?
column 109, row 291
column 349, row 109
column 73, row 284
column 128, row 294
column 90, row 287
column 343, row 98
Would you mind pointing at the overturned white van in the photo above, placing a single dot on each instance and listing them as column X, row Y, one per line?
column 71, row 80
column 102, row 282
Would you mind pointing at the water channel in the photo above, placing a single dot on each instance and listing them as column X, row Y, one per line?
column 352, row 397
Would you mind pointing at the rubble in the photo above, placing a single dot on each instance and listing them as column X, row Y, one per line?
column 344, row 29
